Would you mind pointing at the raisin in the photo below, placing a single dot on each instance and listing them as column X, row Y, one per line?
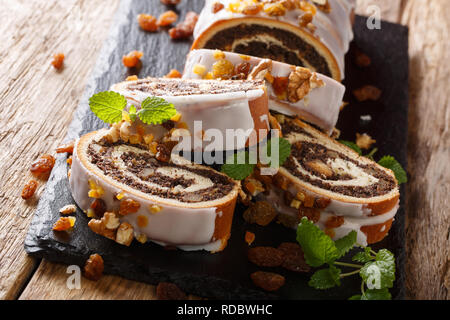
column 261, row 213
column 132, row 59
column 168, row 125
column 167, row 18
column 367, row 93
column 173, row 74
column 58, row 61
column 294, row 259
column 147, row 22
column 169, row 291
column 268, row 281
column 29, row 189
column 64, row 223
column 93, row 269
column 162, row 153
column 43, row 165
column 266, row 256
column 128, row 206
column 241, row 71
column 184, row 29
column 99, row 207
column 66, row 148
column 334, row 222
column 170, row 2
column 217, row 6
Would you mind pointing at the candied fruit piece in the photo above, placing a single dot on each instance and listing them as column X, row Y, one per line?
column 64, row 223
column 128, row 206
column 223, row 69
column 174, row 73
column 43, row 165
column 167, row 18
column 147, row 22
column 93, row 269
column 58, row 61
column 29, row 189
column 132, row 59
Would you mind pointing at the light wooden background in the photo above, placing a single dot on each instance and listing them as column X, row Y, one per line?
column 36, row 106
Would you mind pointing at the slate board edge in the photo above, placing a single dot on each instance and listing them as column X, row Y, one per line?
column 36, row 246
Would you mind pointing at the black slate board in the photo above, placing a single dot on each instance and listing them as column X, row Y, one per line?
column 223, row 275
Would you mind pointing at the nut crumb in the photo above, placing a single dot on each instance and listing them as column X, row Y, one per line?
column 364, row 141
column 69, row 209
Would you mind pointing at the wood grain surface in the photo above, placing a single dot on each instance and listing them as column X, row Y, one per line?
column 36, row 106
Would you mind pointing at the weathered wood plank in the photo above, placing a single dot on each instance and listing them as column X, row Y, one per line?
column 36, row 104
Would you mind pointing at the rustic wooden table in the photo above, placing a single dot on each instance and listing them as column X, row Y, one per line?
column 36, row 106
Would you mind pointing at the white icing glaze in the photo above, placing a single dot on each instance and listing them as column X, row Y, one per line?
column 184, row 225
column 214, row 111
column 321, row 107
column 334, row 29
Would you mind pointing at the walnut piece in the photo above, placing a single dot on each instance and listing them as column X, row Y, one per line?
column 70, row 208
column 299, row 84
column 364, row 141
column 125, row 234
column 98, row 227
column 259, row 72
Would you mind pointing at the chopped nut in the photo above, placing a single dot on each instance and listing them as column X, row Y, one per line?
column 125, row 234
column 367, row 93
column 294, row 259
column 323, row 5
column 111, row 221
column 336, row 133
column 364, row 141
column 148, row 138
column 29, row 189
column 275, row 10
column 125, row 131
column 98, row 227
column 222, row 69
column 93, row 269
column 299, row 84
column 217, row 6
column 320, row 167
column 69, row 209
column 260, row 70
column 268, row 281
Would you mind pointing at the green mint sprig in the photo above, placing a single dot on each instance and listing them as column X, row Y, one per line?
column 377, row 271
column 351, row 145
column 239, row 167
column 389, row 162
column 109, row 106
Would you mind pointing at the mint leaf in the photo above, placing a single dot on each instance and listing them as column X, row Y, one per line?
column 284, row 151
column 317, row 246
column 363, row 256
column 345, row 244
column 389, row 162
column 380, row 273
column 351, row 145
column 326, row 278
column 355, row 297
column 237, row 170
column 377, row 294
column 108, row 106
column 156, row 110
column 132, row 113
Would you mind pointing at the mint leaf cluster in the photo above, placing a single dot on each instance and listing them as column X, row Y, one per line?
column 239, row 166
column 109, row 106
column 377, row 271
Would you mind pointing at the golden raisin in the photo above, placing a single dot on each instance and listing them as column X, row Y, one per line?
column 261, row 213
column 128, row 206
column 268, row 281
column 66, row 148
column 58, row 61
column 266, row 256
column 217, row 6
column 184, row 29
column 93, row 269
column 167, row 18
column 132, row 59
column 147, row 22
column 223, row 69
column 43, row 165
column 174, row 73
column 29, row 189
column 64, row 223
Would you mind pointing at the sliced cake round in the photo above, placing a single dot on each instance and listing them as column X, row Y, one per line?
column 171, row 202
column 313, row 34
column 294, row 91
column 334, row 186
column 209, row 107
